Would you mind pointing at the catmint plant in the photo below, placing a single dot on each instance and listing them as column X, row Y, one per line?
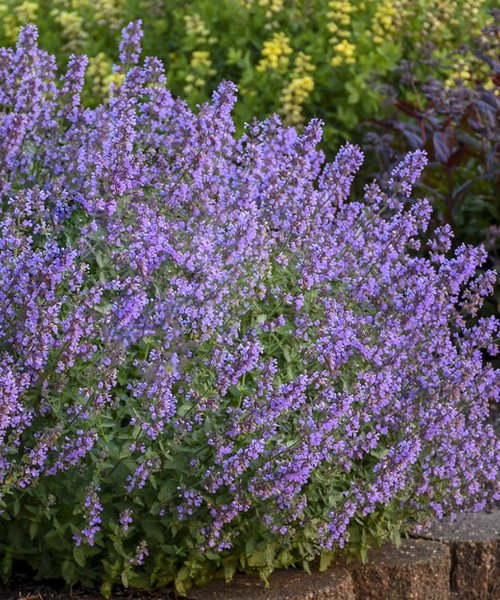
column 212, row 358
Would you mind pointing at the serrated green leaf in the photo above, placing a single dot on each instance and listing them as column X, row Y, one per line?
column 79, row 555
column 68, row 572
column 325, row 561
column 306, row 566
column 124, row 579
column 33, row 530
column 229, row 566
column 106, row 589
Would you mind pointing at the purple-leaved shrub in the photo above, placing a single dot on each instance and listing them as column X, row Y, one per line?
column 210, row 358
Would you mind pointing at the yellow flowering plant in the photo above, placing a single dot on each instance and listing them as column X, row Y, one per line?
column 299, row 58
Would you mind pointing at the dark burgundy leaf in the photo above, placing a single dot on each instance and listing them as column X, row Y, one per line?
column 414, row 140
column 489, row 61
column 408, row 109
column 491, row 99
column 485, row 107
column 441, row 150
column 458, row 156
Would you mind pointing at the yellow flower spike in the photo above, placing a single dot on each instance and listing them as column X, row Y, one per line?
column 200, row 58
column 27, row 12
column 388, row 18
column 196, row 28
column 72, row 29
column 294, row 95
column 275, row 52
column 11, row 27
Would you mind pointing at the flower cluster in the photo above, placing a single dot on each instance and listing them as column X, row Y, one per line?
column 296, row 92
column 389, row 18
column 275, row 53
column 339, row 25
column 207, row 332
column 196, row 28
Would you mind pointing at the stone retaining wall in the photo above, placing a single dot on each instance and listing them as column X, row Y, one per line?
column 474, row 543
column 458, row 561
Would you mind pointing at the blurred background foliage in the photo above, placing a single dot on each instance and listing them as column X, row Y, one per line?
column 449, row 106
column 299, row 58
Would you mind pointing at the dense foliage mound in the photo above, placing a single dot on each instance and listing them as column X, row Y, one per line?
column 299, row 58
column 210, row 358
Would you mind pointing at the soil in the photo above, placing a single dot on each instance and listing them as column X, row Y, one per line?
column 22, row 587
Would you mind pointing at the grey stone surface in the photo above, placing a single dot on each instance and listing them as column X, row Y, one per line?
column 418, row 570
column 474, row 542
column 289, row 584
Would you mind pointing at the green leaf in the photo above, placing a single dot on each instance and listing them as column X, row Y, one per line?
column 325, row 560
column 6, row 566
column 181, row 587
column 106, row 589
column 79, row 555
column 396, row 537
column 250, row 546
column 140, row 581
column 262, row 558
column 68, row 572
column 182, row 574
column 165, row 492
column 124, row 579
column 229, row 565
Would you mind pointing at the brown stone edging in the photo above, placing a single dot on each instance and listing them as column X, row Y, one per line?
column 419, row 570
column 290, row 584
column 474, row 542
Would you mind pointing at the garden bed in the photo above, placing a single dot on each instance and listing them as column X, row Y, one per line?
column 459, row 561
